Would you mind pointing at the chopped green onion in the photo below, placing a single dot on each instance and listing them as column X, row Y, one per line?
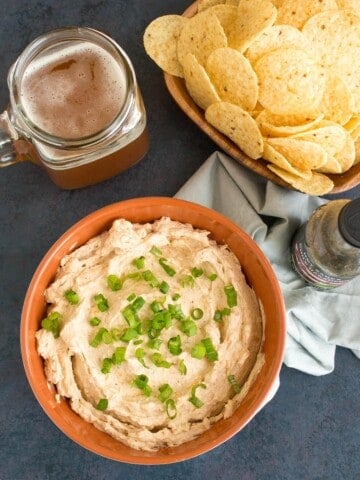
column 235, row 385
column 187, row 281
column 169, row 270
column 194, row 399
column 212, row 277
column 141, row 382
column 71, row 296
column 106, row 337
column 211, row 353
column 129, row 334
column 182, row 367
column 101, row 302
column 98, row 338
column 155, row 251
column 188, row 327
column 164, row 287
column 196, row 313
column 95, row 321
column 154, row 343
column 219, row 314
column 131, row 297
column 119, row 355
column 155, row 306
column 165, row 392
column 107, row 363
column 170, row 408
column 174, row 345
column 116, row 333
column 231, row 295
column 140, row 354
column 137, row 276
column 196, row 272
column 138, row 303
column 159, row 361
column 114, row 283
column 102, row 404
column 149, row 277
column 138, row 342
column 176, row 296
column 52, row 323
column 175, row 311
column 139, row 262
column 198, row 351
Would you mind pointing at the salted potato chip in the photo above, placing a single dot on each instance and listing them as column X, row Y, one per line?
column 300, row 153
column 284, row 125
column 352, row 123
column 160, row 42
column 318, row 184
column 335, row 36
column 198, row 83
column 201, row 35
column 348, row 5
column 272, row 155
column 332, row 165
column 331, row 136
column 204, row 4
column 274, row 37
column 238, row 125
column 296, row 13
column 232, row 2
column 253, row 17
column 337, row 103
column 290, row 81
column 346, row 157
column 233, row 77
column 227, row 14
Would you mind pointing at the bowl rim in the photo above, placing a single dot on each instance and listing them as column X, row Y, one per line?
column 104, row 217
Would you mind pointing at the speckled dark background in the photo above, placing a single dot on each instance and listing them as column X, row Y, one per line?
column 309, row 431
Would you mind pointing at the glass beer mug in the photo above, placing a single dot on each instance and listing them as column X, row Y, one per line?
column 75, row 108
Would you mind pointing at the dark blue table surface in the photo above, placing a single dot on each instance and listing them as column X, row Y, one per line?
column 310, row 430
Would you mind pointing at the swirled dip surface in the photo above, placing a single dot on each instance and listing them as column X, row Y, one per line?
column 157, row 333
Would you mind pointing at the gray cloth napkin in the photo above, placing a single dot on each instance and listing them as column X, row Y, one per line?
column 317, row 321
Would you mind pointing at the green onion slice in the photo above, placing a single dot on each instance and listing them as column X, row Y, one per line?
column 196, row 313
column 119, row 355
column 102, row 404
column 212, row 277
column 196, row 272
column 149, row 277
column 194, row 399
column 129, row 334
column 174, row 345
column 170, row 408
column 106, row 365
column 211, row 352
column 198, row 351
column 154, row 343
column 141, row 382
column 165, row 392
column 182, row 367
column 155, row 251
column 159, row 361
column 95, row 321
column 131, row 297
column 101, row 302
column 139, row 262
column 114, row 282
column 140, row 354
column 71, row 296
column 235, row 385
column 98, row 338
column 52, row 323
column 169, row 270
column 187, row 281
column 164, row 287
column 231, row 295
column 189, row 328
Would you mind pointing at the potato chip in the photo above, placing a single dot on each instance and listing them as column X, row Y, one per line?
column 348, row 5
column 337, row 103
column 198, row 83
column 238, row 125
column 160, row 42
column 233, row 77
column 232, row 2
column 290, row 81
column 204, row 4
column 227, row 15
column 331, row 136
column 318, row 184
column 346, row 157
column 296, row 13
column 253, row 17
column 201, row 35
column 284, row 125
column 272, row 155
column 353, row 123
column 274, row 37
column 335, row 36
column 300, row 153
column 332, row 165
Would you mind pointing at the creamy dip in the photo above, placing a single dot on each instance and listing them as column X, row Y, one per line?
column 152, row 332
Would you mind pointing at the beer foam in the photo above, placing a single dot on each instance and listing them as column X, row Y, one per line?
column 74, row 92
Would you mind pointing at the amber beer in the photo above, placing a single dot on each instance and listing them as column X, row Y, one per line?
column 79, row 97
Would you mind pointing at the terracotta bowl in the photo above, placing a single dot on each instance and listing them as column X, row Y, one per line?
column 177, row 89
column 259, row 275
